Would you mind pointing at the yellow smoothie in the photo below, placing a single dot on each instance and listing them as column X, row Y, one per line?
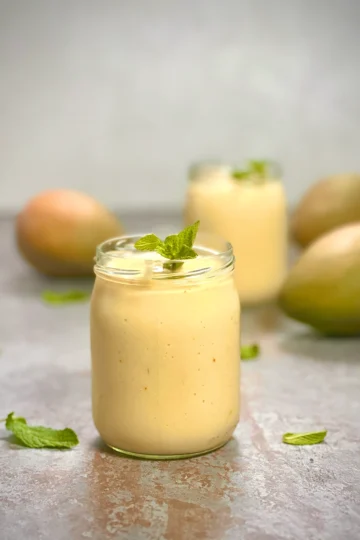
column 252, row 216
column 165, row 352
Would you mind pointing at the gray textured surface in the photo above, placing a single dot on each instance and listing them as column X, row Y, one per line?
column 255, row 488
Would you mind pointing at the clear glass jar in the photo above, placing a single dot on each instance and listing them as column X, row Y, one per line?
column 165, row 349
column 251, row 214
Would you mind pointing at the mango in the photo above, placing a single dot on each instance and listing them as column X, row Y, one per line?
column 330, row 203
column 323, row 287
column 57, row 232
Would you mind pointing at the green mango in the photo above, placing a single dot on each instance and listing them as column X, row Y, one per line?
column 323, row 287
column 327, row 205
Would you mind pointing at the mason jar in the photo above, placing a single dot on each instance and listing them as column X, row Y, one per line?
column 165, row 350
column 250, row 213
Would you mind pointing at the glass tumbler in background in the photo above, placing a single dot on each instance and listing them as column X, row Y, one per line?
column 249, row 212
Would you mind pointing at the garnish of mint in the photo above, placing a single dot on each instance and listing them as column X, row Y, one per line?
column 38, row 436
column 53, row 297
column 255, row 169
column 249, row 352
column 176, row 247
column 300, row 439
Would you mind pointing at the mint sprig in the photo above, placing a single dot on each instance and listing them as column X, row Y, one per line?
column 176, row 247
column 38, row 436
column 255, row 168
column 301, row 439
column 69, row 297
column 249, row 352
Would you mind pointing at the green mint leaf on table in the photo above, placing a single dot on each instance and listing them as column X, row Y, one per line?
column 249, row 352
column 176, row 247
column 38, row 436
column 53, row 297
column 300, row 439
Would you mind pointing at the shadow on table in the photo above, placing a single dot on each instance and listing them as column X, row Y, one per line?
column 13, row 442
column 316, row 346
column 263, row 319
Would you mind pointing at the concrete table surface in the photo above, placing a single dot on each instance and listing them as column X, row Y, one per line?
column 255, row 488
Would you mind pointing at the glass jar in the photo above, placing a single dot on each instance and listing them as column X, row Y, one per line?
column 165, row 349
column 250, row 213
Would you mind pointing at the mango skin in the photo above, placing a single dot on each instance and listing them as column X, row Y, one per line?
column 330, row 203
column 323, row 287
column 57, row 232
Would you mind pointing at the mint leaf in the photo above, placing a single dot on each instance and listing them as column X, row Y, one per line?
column 259, row 168
column 254, row 167
column 249, row 352
column 38, row 436
column 172, row 246
column 10, row 420
column 240, row 175
column 188, row 235
column 187, row 253
column 177, row 247
column 53, row 297
column 300, row 439
column 150, row 242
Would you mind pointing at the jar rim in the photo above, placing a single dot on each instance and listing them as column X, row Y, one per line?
column 198, row 168
column 111, row 252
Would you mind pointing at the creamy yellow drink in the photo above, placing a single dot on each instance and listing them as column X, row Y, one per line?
column 251, row 214
column 165, row 350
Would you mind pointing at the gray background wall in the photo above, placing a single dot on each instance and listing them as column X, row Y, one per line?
column 117, row 97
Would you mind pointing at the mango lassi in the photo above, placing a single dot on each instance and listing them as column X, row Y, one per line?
column 165, row 351
column 251, row 214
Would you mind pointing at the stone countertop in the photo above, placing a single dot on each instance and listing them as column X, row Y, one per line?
column 255, row 488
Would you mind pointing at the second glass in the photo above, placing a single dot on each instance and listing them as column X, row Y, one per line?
column 250, row 212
